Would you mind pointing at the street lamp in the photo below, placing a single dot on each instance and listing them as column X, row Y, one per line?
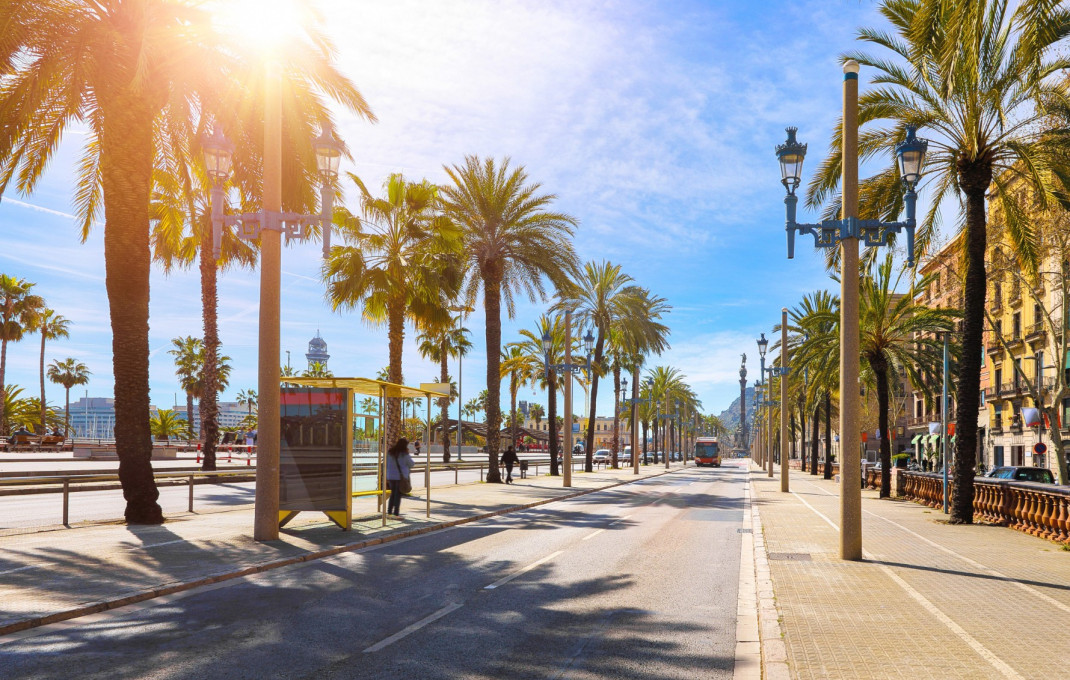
column 571, row 369
column 267, row 226
column 845, row 234
column 763, row 345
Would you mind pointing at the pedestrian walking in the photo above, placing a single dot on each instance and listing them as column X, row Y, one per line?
column 416, row 444
column 398, row 465
column 509, row 459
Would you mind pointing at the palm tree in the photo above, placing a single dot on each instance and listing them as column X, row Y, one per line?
column 978, row 78
column 554, row 329
column 441, row 342
column 187, row 352
column 639, row 334
column 521, row 368
column 18, row 310
column 248, row 398
column 145, row 70
column 511, row 241
column 51, row 326
column 317, row 370
column 537, row 413
column 166, row 423
column 898, row 332
column 68, row 373
column 400, row 262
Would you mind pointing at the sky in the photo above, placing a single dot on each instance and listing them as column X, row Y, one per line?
column 654, row 124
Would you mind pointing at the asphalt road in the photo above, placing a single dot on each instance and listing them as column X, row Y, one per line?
column 639, row 581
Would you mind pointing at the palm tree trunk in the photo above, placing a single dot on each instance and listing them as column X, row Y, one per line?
column 588, row 464
column 802, row 435
column 513, row 387
column 551, row 414
column 815, row 436
column 792, row 416
column 880, row 369
column 828, row 435
column 492, row 306
column 189, row 416
column 645, row 431
column 209, row 306
column 974, row 182
column 67, row 414
column 396, row 340
column 126, row 176
column 3, row 374
column 616, row 414
column 43, row 429
column 444, row 403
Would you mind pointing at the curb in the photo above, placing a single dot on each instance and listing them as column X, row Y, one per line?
column 774, row 650
column 144, row 595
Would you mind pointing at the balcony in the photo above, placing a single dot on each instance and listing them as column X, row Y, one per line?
column 994, row 347
column 1015, row 296
column 995, row 428
column 1036, row 331
column 1016, row 425
column 1015, row 341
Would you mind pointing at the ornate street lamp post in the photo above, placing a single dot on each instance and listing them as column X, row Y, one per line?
column 845, row 234
column 268, row 225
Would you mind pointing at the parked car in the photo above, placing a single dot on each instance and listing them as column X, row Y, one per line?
column 1023, row 474
column 625, row 456
column 601, row 456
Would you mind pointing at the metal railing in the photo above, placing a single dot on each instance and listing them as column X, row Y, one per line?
column 1038, row 509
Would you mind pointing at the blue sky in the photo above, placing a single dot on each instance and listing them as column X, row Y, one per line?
column 653, row 122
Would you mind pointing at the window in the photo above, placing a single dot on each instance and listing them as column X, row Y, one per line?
column 999, row 377
column 1038, row 313
column 1017, row 324
column 997, row 419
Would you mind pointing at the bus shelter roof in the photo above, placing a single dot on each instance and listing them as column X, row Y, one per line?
column 365, row 386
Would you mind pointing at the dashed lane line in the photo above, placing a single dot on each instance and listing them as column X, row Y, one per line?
column 405, row 632
column 521, row 572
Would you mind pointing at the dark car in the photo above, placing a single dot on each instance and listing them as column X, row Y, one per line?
column 1023, row 474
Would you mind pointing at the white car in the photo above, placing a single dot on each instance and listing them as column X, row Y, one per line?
column 602, row 456
column 625, row 457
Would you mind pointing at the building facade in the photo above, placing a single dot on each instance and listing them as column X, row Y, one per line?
column 94, row 418
column 231, row 414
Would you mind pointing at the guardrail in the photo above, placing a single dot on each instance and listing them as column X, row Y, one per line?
column 66, row 484
column 1042, row 510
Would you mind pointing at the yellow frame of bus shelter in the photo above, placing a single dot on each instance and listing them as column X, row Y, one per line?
column 384, row 390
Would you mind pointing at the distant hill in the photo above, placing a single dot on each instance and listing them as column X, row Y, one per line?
column 730, row 416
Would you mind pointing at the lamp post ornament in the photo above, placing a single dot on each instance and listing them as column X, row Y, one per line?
column 845, row 234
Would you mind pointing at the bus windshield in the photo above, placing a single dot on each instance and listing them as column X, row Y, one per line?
column 706, row 449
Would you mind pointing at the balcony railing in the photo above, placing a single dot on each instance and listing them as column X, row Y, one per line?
column 1037, row 509
column 1035, row 331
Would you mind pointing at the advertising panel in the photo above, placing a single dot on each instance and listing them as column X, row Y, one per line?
column 315, row 459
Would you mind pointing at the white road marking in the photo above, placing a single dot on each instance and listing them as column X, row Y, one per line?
column 28, row 566
column 619, row 520
column 592, row 534
column 413, row 628
column 928, row 606
column 976, row 565
column 523, row 571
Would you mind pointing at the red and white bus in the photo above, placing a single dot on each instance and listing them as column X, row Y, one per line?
column 707, row 452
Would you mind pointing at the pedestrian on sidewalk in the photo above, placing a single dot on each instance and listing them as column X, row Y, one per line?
column 398, row 465
column 509, row 459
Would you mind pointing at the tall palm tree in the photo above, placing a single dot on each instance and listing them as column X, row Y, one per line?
column 520, row 367
column 511, row 241
column 640, row 333
column 441, row 342
column 51, row 326
column 69, row 372
column 815, row 320
column 166, row 423
column 18, row 310
column 554, row 329
column 400, row 262
column 317, row 370
column 248, row 399
column 977, row 79
column 144, row 66
column 537, row 413
column 897, row 332
column 602, row 297
column 187, row 352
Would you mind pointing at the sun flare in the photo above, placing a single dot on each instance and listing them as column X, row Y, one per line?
column 262, row 23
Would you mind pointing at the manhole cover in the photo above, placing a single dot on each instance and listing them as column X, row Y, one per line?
column 745, row 531
column 797, row 557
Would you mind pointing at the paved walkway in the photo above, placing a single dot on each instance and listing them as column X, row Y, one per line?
column 57, row 575
column 930, row 600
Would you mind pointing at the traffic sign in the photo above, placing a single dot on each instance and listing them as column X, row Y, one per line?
column 1040, row 448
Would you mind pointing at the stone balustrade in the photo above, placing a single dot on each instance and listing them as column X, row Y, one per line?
column 1042, row 510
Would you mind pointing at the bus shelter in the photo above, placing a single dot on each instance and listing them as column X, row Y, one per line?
column 341, row 502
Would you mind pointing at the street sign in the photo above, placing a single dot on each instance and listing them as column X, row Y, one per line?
column 1040, row 448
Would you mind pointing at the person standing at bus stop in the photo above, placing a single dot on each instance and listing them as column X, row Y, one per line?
column 398, row 465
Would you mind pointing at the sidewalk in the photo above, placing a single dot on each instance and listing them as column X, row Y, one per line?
column 57, row 575
column 930, row 600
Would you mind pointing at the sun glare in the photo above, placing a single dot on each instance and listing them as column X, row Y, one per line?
column 261, row 23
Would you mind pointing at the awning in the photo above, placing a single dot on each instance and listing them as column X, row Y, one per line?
column 916, row 439
column 365, row 386
column 934, row 439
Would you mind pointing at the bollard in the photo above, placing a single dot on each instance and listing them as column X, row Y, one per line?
column 66, row 501
column 481, row 473
column 455, row 478
column 191, row 493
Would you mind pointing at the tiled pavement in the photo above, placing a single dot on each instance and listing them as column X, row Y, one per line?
column 930, row 600
column 55, row 575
